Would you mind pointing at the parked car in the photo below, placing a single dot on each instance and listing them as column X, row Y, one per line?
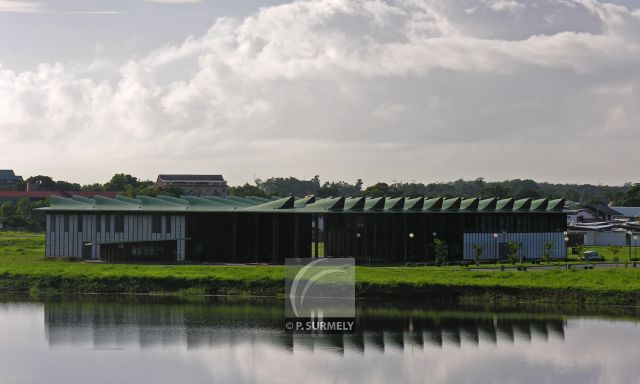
column 591, row 256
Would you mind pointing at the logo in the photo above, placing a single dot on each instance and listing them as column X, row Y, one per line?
column 320, row 295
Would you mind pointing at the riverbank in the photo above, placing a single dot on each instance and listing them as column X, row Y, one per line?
column 23, row 269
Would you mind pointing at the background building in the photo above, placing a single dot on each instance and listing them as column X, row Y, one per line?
column 194, row 185
column 260, row 230
column 8, row 179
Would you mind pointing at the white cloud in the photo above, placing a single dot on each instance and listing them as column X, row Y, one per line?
column 404, row 89
column 175, row 1
column 19, row 6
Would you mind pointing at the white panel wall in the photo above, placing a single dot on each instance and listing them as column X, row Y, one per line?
column 532, row 244
column 60, row 243
column 605, row 238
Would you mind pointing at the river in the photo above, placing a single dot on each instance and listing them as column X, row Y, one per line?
column 146, row 339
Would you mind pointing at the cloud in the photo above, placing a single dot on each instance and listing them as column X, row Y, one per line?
column 404, row 89
column 19, row 6
column 175, row 1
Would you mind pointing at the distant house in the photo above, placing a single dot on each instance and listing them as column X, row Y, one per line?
column 628, row 213
column 194, row 185
column 580, row 216
column 599, row 212
column 8, row 179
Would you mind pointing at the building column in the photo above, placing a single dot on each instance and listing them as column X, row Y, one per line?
column 274, row 232
column 234, row 235
column 316, row 235
column 256, row 238
column 296, row 234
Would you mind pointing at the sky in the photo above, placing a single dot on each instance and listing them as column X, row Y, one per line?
column 398, row 90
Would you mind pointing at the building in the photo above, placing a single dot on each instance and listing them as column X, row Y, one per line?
column 259, row 230
column 580, row 216
column 8, row 179
column 598, row 212
column 194, row 185
column 627, row 213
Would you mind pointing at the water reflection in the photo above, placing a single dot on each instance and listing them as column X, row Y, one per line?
column 110, row 323
column 227, row 340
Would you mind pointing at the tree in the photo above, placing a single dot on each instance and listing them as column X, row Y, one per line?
column 170, row 190
column 120, row 181
column 7, row 209
column 382, row 190
column 477, row 253
column 96, row 187
column 547, row 247
column 66, row 186
column 280, row 186
column 513, row 248
column 442, row 251
column 23, row 209
column 631, row 197
column 247, row 190
column 43, row 183
column 495, row 190
column 615, row 249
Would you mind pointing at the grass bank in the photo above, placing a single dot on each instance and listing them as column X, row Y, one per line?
column 23, row 268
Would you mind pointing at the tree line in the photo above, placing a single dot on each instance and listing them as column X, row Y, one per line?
column 625, row 195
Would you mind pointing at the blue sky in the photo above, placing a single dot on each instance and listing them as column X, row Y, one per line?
column 425, row 90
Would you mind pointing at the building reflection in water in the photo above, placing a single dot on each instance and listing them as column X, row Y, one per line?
column 108, row 323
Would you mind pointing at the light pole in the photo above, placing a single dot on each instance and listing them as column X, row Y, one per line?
column 566, row 254
column 411, row 244
column 495, row 240
column 433, row 240
column 357, row 244
column 635, row 247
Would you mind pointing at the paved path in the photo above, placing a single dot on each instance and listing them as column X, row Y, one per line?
column 562, row 266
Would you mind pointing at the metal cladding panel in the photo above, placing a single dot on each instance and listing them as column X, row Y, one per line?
column 137, row 228
column 531, row 244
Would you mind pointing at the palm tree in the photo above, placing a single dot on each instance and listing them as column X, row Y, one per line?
column 477, row 253
column 514, row 247
column 548, row 246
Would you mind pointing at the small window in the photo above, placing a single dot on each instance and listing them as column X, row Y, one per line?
column 107, row 223
column 119, row 223
column 66, row 223
column 167, row 227
column 80, row 223
column 53, row 222
column 156, row 224
column 98, row 223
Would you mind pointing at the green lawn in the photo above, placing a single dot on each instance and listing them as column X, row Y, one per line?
column 21, row 256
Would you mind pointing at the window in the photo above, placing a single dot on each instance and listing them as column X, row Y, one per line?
column 98, row 223
column 53, row 223
column 107, row 223
column 118, row 223
column 80, row 223
column 167, row 226
column 156, row 224
column 66, row 223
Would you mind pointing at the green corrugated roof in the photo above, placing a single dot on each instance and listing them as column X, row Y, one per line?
column 304, row 205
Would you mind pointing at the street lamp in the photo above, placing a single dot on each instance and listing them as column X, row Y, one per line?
column 635, row 247
column 495, row 237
